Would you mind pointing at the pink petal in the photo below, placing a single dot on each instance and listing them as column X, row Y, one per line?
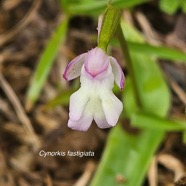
column 73, row 69
column 106, row 78
column 96, row 62
column 112, row 107
column 118, row 73
column 78, row 101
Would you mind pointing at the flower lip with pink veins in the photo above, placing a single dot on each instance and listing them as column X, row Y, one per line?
column 96, row 62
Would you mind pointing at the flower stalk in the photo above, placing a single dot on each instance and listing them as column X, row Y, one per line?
column 109, row 25
column 129, row 64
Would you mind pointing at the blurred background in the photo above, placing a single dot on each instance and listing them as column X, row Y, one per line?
column 37, row 40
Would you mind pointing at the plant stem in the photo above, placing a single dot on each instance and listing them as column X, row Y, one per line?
column 109, row 25
column 129, row 63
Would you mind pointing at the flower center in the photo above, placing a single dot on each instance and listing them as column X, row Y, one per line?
column 96, row 62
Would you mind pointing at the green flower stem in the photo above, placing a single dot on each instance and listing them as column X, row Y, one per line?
column 127, row 58
column 110, row 22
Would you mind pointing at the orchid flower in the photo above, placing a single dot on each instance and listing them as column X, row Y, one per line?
column 95, row 99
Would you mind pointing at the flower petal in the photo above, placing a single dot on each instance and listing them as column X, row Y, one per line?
column 118, row 73
column 106, row 78
column 96, row 62
column 73, row 69
column 78, row 101
column 99, row 116
column 112, row 107
column 86, row 118
column 82, row 124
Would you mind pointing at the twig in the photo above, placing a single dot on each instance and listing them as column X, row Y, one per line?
column 48, row 181
column 86, row 36
column 177, row 89
column 152, row 173
column 9, row 4
column 150, row 34
column 19, row 110
column 5, row 37
column 171, row 40
column 173, row 164
column 83, row 180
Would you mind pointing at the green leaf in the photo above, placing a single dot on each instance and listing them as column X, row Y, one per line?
column 157, row 51
column 169, row 6
column 160, row 52
column 127, row 155
column 183, row 5
column 129, row 101
column 156, row 123
column 45, row 63
column 153, row 90
column 131, row 34
column 96, row 7
column 64, row 5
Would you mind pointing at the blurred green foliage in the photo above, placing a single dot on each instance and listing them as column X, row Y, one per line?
column 95, row 7
column 172, row 6
column 45, row 63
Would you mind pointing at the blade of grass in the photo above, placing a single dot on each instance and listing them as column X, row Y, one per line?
column 161, row 52
column 45, row 63
column 95, row 7
column 169, row 6
column 156, row 123
column 157, row 51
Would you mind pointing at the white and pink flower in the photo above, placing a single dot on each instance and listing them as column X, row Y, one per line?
column 95, row 99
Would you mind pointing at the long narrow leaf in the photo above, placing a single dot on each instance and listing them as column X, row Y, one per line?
column 156, row 123
column 45, row 63
column 95, row 7
column 157, row 51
